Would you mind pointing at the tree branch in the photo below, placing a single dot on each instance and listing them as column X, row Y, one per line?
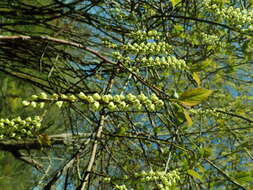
column 58, row 139
column 225, row 175
column 59, row 41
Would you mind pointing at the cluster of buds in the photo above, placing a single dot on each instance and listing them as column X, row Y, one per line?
column 142, row 48
column 34, row 100
column 164, row 180
column 96, row 101
column 164, row 62
column 123, row 59
column 236, row 16
column 110, row 44
column 121, row 187
column 208, row 112
column 211, row 40
column 144, row 35
column 18, row 128
column 148, row 48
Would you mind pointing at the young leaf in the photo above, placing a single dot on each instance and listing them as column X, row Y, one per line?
column 194, row 96
column 194, row 175
column 196, row 78
column 201, row 66
column 188, row 118
column 175, row 2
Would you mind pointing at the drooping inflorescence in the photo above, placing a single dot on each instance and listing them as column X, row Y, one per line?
column 143, row 50
column 242, row 19
column 164, row 180
column 96, row 101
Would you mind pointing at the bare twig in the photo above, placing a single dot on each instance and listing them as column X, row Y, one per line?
column 225, row 175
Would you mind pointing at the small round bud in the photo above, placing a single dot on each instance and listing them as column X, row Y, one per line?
column 59, row 104
column 43, row 96
column 26, row 103
column 34, row 97
column 82, row 96
column 111, row 106
column 95, row 106
column 41, row 105
column 33, row 104
column 63, row 96
column 90, row 99
column 28, row 119
column 55, row 96
column 72, row 98
column 96, row 96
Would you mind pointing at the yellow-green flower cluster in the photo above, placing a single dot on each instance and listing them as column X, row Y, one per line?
column 121, row 187
column 211, row 39
column 96, row 101
column 34, row 101
column 18, row 128
column 164, row 180
column 144, row 35
column 148, row 48
column 236, row 16
column 207, row 112
column 164, row 62
column 153, row 48
column 110, row 44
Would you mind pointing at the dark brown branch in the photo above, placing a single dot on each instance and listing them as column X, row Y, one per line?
column 59, row 41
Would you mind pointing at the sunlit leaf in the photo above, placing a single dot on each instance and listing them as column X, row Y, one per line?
column 188, row 118
column 175, row 2
column 201, row 66
column 194, row 96
column 195, row 175
column 196, row 78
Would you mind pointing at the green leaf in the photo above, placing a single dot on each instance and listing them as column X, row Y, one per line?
column 194, row 96
column 201, row 66
column 195, row 175
column 196, row 78
column 188, row 118
column 178, row 28
column 175, row 2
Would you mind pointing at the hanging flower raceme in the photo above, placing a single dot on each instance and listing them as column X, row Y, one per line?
column 144, row 35
column 153, row 48
column 96, row 101
column 235, row 16
column 164, row 180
